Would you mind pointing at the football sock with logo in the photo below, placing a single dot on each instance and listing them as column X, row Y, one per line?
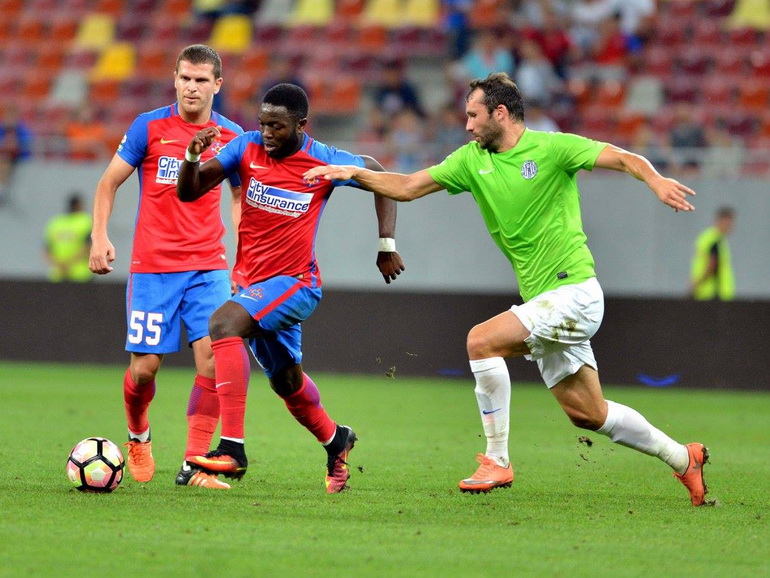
column 136, row 399
column 627, row 427
column 202, row 416
column 231, row 367
column 493, row 394
column 305, row 405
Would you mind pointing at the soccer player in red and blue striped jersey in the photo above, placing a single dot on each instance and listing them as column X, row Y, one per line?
column 276, row 270
column 174, row 278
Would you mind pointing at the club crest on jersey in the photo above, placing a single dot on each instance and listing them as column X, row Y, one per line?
column 168, row 170
column 217, row 146
column 275, row 200
column 529, row 169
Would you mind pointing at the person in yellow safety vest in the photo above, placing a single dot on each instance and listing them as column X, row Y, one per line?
column 712, row 274
column 68, row 243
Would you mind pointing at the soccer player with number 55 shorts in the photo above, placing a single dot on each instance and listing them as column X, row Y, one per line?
column 276, row 271
column 174, row 278
column 525, row 184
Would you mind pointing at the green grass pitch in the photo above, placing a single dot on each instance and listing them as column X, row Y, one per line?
column 573, row 510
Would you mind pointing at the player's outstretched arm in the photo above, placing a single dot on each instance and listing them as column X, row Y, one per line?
column 102, row 250
column 669, row 191
column 395, row 186
column 389, row 262
column 195, row 179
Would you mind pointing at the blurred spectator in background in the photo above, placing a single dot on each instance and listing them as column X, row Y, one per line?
column 86, row 134
column 711, row 275
column 687, row 139
column 535, row 76
column 637, row 20
column 488, row 54
column 213, row 9
column 724, row 156
column 282, row 70
column 15, row 146
column 536, row 117
column 68, row 243
column 648, row 143
column 447, row 131
column 552, row 37
column 396, row 93
column 585, row 17
column 406, row 141
column 456, row 26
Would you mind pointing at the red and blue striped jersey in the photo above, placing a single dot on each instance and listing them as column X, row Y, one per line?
column 280, row 212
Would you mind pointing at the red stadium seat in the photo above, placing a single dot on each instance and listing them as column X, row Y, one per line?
column 717, row 91
column 681, row 89
column 658, row 61
column 63, row 27
column 707, row 32
column 729, row 61
column 609, row 93
column 693, row 60
column 753, row 94
column 743, row 37
column 718, row 8
column 759, row 63
column 670, row 33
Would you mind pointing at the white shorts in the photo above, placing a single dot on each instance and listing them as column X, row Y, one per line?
column 561, row 323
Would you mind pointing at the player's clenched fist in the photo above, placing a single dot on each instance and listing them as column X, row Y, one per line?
column 203, row 139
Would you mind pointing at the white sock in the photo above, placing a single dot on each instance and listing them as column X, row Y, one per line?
column 627, row 427
column 493, row 394
column 140, row 437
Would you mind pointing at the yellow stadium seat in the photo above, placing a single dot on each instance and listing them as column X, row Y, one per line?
column 311, row 13
column 231, row 34
column 96, row 31
column 422, row 13
column 116, row 62
column 388, row 13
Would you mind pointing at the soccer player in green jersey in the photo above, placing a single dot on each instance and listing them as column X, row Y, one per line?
column 525, row 185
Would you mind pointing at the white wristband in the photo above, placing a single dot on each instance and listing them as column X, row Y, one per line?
column 188, row 156
column 387, row 245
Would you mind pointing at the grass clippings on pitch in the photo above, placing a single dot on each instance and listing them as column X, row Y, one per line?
column 575, row 509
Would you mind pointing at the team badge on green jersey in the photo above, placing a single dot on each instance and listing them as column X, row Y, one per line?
column 529, row 169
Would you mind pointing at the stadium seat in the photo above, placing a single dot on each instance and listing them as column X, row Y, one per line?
column 717, row 91
column 116, row 62
column 36, row 84
column 753, row 94
column 242, row 86
column 311, row 13
column 50, row 58
column 679, row 8
column 349, row 11
column 609, row 93
column 693, row 60
column 597, row 123
column 718, row 8
column 155, row 61
column 272, row 13
column 96, row 31
column 69, row 88
column 421, row 13
column 486, row 14
column 104, row 92
column 707, row 32
column 256, row 60
column 112, row 7
column 759, row 63
column 743, row 37
column 231, row 33
column 130, row 26
column 644, row 94
column 681, row 89
column 740, row 123
column 670, row 33
column 30, row 28
column 729, row 61
column 387, row 13
column 62, row 27
column 177, row 10
column 372, row 39
column 658, row 61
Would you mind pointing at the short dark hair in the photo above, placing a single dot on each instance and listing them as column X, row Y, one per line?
column 725, row 212
column 498, row 88
column 290, row 96
column 201, row 54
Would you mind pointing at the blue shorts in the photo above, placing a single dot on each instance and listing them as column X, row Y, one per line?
column 156, row 303
column 279, row 305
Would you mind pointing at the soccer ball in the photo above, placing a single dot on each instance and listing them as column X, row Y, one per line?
column 95, row 465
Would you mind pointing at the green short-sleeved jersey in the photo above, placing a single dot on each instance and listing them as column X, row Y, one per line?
column 530, row 202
